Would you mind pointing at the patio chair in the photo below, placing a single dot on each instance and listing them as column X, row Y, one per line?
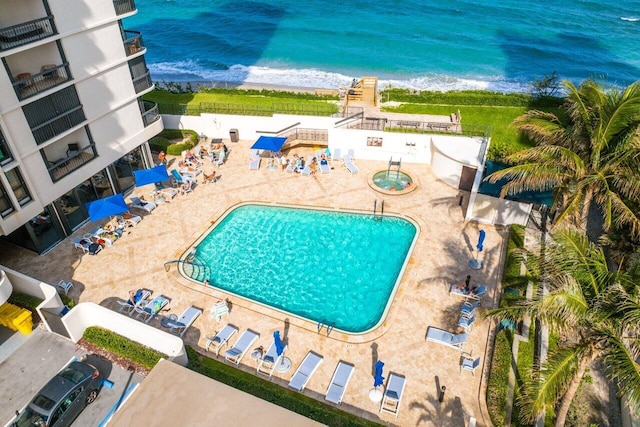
column 468, row 309
column 348, row 163
column 254, row 163
column 150, row 309
column 184, row 182
column 466, row 323
column 180, row 325
column 221, row 338
column 237, row 352
column 393, row 394
column 339, row 382
column 137, row 203
column 139, row 299
column 64, row 285
column 304, row 372
column 446, row 338
column 267, row 363
column 469, row 364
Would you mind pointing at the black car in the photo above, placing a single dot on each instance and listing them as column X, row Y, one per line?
column 62, row 399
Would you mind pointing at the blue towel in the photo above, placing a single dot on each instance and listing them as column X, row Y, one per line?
column 138, row 296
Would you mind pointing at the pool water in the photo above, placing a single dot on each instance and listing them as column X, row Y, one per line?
column 392, row 180
column 332, row 267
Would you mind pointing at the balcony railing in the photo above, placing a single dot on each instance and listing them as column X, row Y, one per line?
column 124, row 6
column 27, row 32
column 58, row 125
column 142, row 82
column 150, row 114
column 50, row 76
column 62, row 167
column 133, row 42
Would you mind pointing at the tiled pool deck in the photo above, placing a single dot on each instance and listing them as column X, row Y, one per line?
column 440, row 257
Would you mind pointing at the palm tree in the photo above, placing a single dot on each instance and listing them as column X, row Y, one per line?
column 589, row 152
column 595, row 309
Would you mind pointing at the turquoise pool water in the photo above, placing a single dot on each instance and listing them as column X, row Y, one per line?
column 326, row 266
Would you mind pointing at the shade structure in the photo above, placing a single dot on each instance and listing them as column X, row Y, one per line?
column 151, row 176
column 103, row 208
column 278, row 343
column 378, row 379
column 269, row 143
column 481, row 237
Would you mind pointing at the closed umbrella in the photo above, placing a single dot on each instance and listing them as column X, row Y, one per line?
column 285, row 363
column 109, row 206
column 474, row 263
column 378, row 379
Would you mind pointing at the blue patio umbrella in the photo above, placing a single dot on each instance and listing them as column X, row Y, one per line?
column 378, row 379
column 481, row 237
column 109, row 206
column 151, row 176
column 278, row 343
column 269, row 143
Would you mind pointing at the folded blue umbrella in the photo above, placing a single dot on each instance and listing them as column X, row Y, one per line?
column 378, row 379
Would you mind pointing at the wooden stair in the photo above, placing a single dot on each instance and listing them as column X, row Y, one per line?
column 364, row 93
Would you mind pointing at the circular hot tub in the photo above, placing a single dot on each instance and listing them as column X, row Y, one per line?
column 392, row 182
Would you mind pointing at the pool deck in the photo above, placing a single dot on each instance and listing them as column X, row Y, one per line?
column 440, row 258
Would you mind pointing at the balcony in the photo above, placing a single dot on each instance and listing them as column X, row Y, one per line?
column 5, row 154
column 27, row 32
column 124, row 6
column 27, row 85
column 150, row 113
column 54, row 114
column 133, row 42
column 142, row 82
column 74, row 159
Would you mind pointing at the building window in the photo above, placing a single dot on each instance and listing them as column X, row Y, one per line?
column 6, row 207
column 5, row 154
column 18, row 186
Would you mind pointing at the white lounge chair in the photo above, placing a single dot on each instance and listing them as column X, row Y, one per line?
column 307, row 167
column 466, row 323
column 269, row 360
column 306, row 369
column 324, row 168
column 254, row 163
column 140, row 299
column 348, row 163
column 167, row 192
column 475, row 293
column 393, row 394
column 65, row 286
column 446, row 338
column 180, row 326
column 336, row 155
column 237, row 352
column 127, row 220
column 339, row 382
column 469, row 364
column 469, row 308
column 149, row 310
column 221, row 338
column 140, row 204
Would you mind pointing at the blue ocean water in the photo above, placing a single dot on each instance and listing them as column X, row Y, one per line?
column 334, row 267
column 498, row 45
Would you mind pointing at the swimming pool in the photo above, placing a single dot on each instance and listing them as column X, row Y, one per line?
column 338, row 268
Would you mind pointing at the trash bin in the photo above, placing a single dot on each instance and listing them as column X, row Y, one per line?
column 233, row 135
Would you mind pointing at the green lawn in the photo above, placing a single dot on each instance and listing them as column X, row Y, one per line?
column 233, row 97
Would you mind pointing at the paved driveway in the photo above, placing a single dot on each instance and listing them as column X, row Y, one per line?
column 29, row 368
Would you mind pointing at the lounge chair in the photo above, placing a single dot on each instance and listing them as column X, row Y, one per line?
column 254, row 163
column 128, row 220
column 351, row 154
column 222, row 157
column 393, row 394
column 86, row 245
column 166, row 192
column 324, row 168
column 307, row 167
column 339, row 382
column 446, row 338
column 237, row 352
column 140, row 204
column 466, row 323
column 150, row 309
column 269, row 360
column 336, row 155
column 180, row 326
column 469, row 364
column 468, row 309
column 306, row 369
column 139, row 300
column 221, row 338
column 475, row 293
column 290, row 167
column 348, row 163
column 185, row 182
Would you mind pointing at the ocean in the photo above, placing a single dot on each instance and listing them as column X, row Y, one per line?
column 457, row 44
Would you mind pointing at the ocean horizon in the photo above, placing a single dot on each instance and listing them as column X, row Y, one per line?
column 460, row 44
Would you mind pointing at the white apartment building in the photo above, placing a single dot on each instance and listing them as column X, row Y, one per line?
column 73, row 126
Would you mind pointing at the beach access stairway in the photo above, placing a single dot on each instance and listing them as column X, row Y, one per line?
column 363, row 93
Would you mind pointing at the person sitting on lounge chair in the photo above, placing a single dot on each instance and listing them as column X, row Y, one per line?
column 135, row 296
column 465, row 287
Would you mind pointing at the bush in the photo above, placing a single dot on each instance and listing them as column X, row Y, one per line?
column 124, row 347
column 470, row 97
column 25, row 301
column 188, row 139
column 498, row 384
column 271, row 392
column 158, row 144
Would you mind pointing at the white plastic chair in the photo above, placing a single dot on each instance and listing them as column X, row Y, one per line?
column 65, row 286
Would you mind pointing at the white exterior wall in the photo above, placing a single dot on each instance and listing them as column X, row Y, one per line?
column 106, row 49
column 5, row 287
column 493, row 210
column 71, row 16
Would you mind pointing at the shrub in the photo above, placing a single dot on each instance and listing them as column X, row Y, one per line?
column 158, row 144
column 124, row 347
column 188, row 139
column 498, row 384
column 27, row 302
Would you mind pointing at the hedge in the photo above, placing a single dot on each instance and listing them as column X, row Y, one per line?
column 470, row 97
column 162, row 142
column 124, row 347
column 498, row 384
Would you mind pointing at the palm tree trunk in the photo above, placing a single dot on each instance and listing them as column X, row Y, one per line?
column 565, row 404
column 586, row 208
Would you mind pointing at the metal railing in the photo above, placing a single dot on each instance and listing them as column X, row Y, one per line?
column 307, row 135
column 142, row 82
column 326, row 110
column 124, row 6
column 27, row 32
column 150, row 114
column 46, row 79
column 63, row 167
column 415, row 126
column 197, row 271
column 133, row 42
column 58, row 125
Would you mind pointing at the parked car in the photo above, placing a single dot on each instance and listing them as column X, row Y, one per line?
column 62, row 399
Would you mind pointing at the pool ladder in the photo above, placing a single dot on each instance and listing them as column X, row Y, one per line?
column 323, row 324
column 375, row 209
